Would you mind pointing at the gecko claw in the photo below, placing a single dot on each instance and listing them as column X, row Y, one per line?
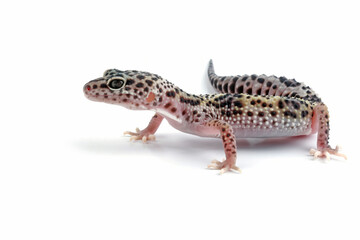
column 327, row 152
column 223, row 166
column 139, row 135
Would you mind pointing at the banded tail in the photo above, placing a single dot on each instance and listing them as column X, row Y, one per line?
column 261, row 85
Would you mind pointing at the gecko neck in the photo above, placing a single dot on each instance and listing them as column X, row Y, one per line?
column 177, row 105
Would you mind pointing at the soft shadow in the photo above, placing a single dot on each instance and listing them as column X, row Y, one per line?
column 178, row 146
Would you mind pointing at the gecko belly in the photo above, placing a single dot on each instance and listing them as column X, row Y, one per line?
column 266, row 129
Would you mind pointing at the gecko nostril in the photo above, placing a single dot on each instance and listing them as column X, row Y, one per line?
column 88, row 87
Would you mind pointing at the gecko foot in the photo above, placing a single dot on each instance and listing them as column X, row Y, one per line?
column 140, row 135
column 224, row 166
column 327, row 152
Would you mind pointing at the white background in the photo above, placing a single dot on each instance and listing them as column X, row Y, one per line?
column 66, row 171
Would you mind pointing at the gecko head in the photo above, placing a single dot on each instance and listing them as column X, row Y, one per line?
column 131, row 89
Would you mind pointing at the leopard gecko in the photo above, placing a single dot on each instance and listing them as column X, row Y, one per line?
column 246, row 106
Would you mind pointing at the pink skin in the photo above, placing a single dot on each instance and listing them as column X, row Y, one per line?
column 225, row 115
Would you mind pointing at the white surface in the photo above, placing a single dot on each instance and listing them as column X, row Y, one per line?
column 66, row 171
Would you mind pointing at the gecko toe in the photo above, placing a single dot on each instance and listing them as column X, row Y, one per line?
column 326, row 153
column 223, row 166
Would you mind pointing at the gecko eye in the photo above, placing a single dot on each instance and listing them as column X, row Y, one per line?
column 116, row 83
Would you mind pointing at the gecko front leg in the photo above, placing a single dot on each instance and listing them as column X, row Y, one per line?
column 147, row 133
column 229, row 143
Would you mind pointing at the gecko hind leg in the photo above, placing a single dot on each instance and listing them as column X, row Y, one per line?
column 321, row 118
column 146, row 134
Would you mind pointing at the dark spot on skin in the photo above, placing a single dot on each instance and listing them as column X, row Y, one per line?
column 170, row 93
column 223, row 129
column 160, row 99
column 304, row 113
column 296, row 105
column 140, row 77
column 215, row 83
column 103, row 85
column 173, row 109
column 282, row 79
column 129, row 82
column 139, row 85
column 95, row 86
column 274, row 87
column 146, row 89
column 261, row 80
column 240, row 89
column 167, row 105
column 273, row 113
column 258, row 101
column 263, row 105
column 249, row 91
column 220, row 88
column 226, row 87
column 270, row 105
column 222, row 112
column 287, row 113
column 247, row 84
column 287, row 83
column 252, row 102
column 149, row 82
column 228, row 135
column 237, row 104
column 183, row 112
column 249, row 114
column 258, row 92
column 235, row 112
column 232, row 87
column 261, row 114
column 194, row 112
column 268, row 84
column 177, row 90
column 244, row 78
column 253, row 77
column 228, row 114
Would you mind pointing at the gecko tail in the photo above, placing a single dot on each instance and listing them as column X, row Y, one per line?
column 211, row 68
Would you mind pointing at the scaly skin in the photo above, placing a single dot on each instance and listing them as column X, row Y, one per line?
column 246, row 106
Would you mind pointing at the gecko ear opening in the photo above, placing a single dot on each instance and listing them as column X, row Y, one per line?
column 150, row 97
